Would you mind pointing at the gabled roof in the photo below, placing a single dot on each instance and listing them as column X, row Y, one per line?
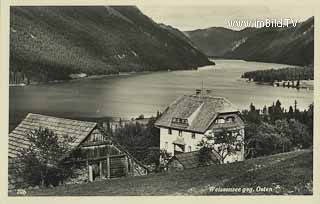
column 60, row 126
column 191, row 159
column 206, row 109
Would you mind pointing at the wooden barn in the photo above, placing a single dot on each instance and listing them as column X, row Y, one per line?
column 95, row 155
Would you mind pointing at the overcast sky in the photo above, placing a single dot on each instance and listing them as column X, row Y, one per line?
column 195, row 17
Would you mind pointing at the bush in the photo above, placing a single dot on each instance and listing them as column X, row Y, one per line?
column 41, row 162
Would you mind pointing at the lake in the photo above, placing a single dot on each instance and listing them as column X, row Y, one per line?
column 145, row 93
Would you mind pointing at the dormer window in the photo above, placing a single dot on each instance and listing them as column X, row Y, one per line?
column 230, row 119
column 220, row 120
column 180, row 121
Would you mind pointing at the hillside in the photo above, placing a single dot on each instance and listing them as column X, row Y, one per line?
column 286, row 173
column 288, row 45
column 50, row 43
column 216, row 41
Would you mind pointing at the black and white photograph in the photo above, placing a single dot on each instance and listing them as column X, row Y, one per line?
column 160, row 100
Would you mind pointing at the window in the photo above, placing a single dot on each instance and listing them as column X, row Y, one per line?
column 96, row 137
column 193, row 136
column 230, row 119
column 180, row 133
column 189, row 148
column 220, row 120
column 169, row 131
column 180, row 121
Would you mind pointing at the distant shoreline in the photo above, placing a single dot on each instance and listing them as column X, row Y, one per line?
column 103, row 76
column 76, row 79
column 304, row 84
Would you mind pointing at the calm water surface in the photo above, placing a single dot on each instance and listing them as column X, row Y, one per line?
column 145, row 93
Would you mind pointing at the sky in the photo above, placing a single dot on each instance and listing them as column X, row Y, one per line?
column 197, row 17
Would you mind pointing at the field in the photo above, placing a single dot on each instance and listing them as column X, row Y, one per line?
column 286, row 173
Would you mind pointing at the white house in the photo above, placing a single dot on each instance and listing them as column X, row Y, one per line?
column 184, row 123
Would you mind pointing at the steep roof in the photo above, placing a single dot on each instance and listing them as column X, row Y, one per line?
column 199, row 110
column 60, row 126
column 191, row 159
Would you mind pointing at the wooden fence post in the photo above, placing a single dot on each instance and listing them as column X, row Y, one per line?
column 90, row 173
column 100, row 169
column 87, row 164
column 126, row 165
column 108, row 166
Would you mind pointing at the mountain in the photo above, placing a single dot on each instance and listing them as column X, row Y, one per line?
column 176, row 32
column 287, row 45
column 50, row 43
column 216, row 41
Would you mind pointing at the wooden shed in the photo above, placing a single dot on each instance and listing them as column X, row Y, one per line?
column 95, row 155
column 190, row 160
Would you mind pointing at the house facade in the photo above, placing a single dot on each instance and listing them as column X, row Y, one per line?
column 190, row 118
column 92, row 153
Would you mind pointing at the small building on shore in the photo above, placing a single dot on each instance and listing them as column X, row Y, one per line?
column 94, row 154
column 186, row 121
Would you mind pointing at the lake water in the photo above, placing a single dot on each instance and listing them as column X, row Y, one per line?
column 145, row 93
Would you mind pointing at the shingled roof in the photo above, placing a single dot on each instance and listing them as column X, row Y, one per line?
column 60, row 126
column 202, row 109
column 191, row 159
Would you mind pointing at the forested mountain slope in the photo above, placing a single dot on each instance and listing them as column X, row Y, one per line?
column 287, row 45
column 50, row 43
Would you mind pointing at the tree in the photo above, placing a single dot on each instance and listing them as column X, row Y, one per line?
column 309, row 119
column 223, row 143
column 265, row 113
column 285, row 136
column 278, row 111
column 266, row 140
column 138, row 138
column 295, row 108
column 251, row 130
column 253, row 115
column 290, row 113
column 41, row 162
column 165, row 156
column 300, row 134
column 204, row 155
column 279, row 130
